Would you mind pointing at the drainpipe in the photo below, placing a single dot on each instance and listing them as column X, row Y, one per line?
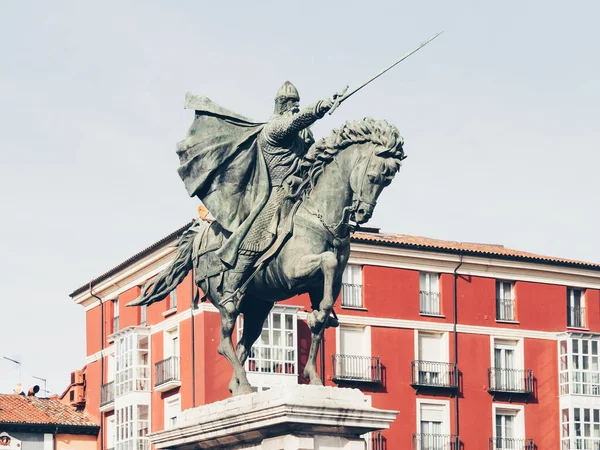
column 101, row 362
column 193, row 349
column 454, row 323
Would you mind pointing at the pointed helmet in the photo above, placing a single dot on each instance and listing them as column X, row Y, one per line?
column 288, row 91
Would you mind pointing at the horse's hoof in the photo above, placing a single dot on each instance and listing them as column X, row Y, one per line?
column 333, row 322
column 316, row 382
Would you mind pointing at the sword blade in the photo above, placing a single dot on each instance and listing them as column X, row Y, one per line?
column 358, row 88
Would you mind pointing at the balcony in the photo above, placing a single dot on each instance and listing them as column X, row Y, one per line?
column 435, row 442
column 352, row 295
column 357, row 369
column 107, row 397
column 510, row 381
column 512, row 444
column 576, row 317
column 429, row 303
column 505, row 309
column 166, row 374
column 378, row 442
column 434, row 375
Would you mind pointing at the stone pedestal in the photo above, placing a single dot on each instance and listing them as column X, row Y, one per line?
column 284, row 418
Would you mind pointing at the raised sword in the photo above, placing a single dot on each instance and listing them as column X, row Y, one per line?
column 346, row 94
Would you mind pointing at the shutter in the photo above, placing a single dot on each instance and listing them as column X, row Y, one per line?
column 430, row 347
column 432, row 413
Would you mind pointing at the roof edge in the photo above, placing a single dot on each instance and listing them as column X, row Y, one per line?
column 132, row 259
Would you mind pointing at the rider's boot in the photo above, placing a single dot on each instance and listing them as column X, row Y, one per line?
column 234, row 280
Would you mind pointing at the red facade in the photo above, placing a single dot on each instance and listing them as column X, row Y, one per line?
column 498, row 363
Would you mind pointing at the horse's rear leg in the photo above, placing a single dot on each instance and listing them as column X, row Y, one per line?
column 242, row 386
column 253, row 324
column 307, row 266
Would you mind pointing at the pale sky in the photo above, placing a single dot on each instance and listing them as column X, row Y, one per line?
column 499, row 115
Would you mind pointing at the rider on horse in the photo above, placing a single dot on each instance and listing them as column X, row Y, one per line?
column 270, row 153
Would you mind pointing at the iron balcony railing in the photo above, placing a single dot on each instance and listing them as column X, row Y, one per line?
column 434, row 374
column 510, row 380
column 356, row 368
column 116, row 324
column 378, row 442
column 576, row 317
column 435, row 442
column 512, row 444
column 430, row 302
column 352, row 295
column 107, row 393
column 505, row 309
column 166, row 370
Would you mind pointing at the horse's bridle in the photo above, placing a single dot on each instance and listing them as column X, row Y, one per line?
column 359, row 197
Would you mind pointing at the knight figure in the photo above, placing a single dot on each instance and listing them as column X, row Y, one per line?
column 243, row 172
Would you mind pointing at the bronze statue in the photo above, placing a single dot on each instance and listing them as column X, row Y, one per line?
column 283, row 207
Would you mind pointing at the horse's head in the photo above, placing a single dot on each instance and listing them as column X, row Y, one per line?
column 378, row 162
column 372, row 154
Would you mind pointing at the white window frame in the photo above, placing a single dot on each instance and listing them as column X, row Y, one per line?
column 519, row 413
column 352, row 287
column 579, row 381
column 509, row 343
column 111, row 422
column 503, row 284
column 173, row 299
column 168, row 335
column 444, row 403
column 429, row 292
column 167, row 402
column 444, row 344
column 265, row 380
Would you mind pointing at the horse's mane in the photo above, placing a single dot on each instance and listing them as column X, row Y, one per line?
column 324, row 151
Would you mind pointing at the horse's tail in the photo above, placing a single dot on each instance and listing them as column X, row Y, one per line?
column 157, row 289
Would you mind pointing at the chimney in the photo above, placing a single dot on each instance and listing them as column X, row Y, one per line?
column 19, row 388
column 33, row 390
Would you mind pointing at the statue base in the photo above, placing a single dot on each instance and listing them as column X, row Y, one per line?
column 298, row 417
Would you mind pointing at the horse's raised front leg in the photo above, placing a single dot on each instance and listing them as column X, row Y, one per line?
column 253, row 324
column 241, row 385
column 307, row 266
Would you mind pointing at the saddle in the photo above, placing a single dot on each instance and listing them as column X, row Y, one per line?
column 211, row 236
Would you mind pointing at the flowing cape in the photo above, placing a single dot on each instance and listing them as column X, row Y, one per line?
column 221, row 164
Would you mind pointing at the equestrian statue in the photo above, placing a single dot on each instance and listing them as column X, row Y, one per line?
column 283, row 206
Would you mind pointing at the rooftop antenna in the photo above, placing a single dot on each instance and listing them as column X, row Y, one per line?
column 16, row 362
column 44, row 380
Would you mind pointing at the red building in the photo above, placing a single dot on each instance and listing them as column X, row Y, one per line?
column 478, row 346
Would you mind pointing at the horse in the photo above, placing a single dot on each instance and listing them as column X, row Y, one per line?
column 343, row 176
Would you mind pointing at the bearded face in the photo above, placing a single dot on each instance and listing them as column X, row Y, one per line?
column 287, row 106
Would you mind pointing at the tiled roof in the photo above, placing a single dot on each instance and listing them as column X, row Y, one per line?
column 20, row 409
column 398, row 240
column 493, row 250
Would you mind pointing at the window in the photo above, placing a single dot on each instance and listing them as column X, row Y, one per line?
column 172, row 409
column 352, row 287
column 143, row 315
column 132, row 368
column 509, row 428
column 275, row 349
column 579, row 368
column 110, row 432
column 505, row 302
column 115, row 315
column 132, row 428
column 353, row 359
column 173, row 299
column 575, row 308
column 507, row 374
column 431, row 366
column 167, row 370
column 433, row 426
column 583, row 431
column 429, row 293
